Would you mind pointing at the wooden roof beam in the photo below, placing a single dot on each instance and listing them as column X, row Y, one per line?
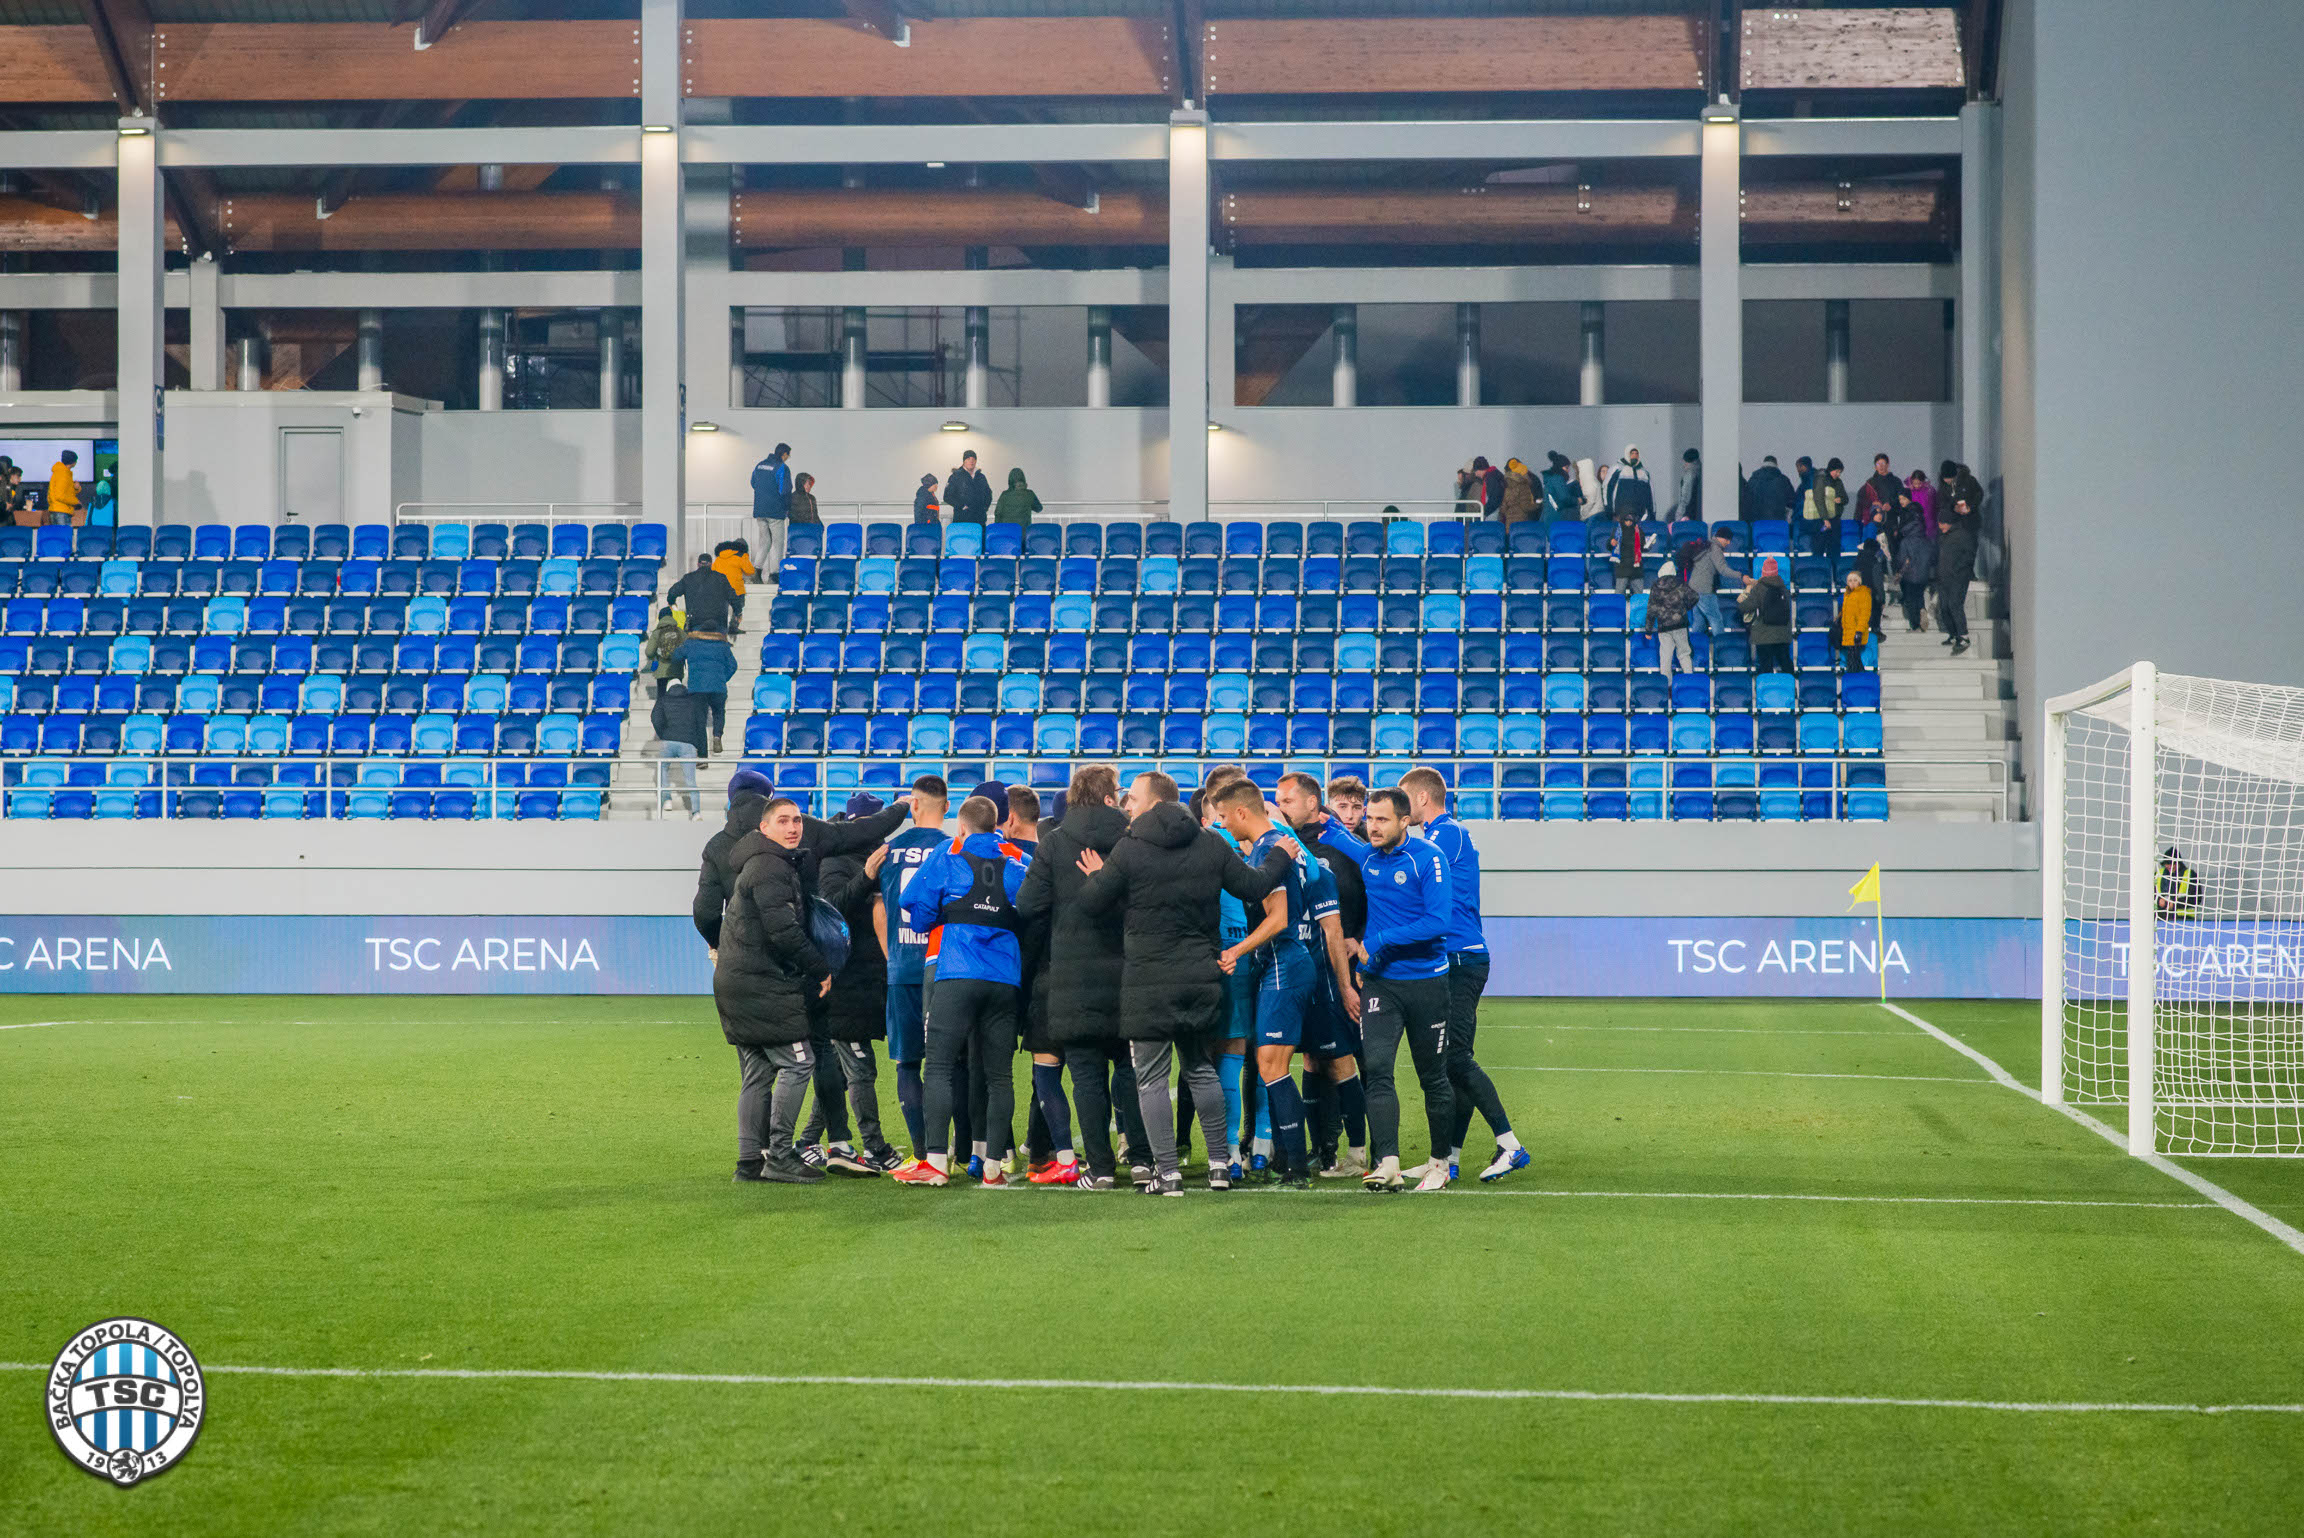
column 1898, row 49
column 1451, row 55
column 438, row 17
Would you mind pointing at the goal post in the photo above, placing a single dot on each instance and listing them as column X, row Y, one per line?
column 2172, row 954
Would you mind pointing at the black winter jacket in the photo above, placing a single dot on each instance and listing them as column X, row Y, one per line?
column 769, row 966
column 858, row 1008
column 716, row 881
column 681, row 718
column 705, row 596
column 1956, row 552
column 1077, row 995
column 1162, row 880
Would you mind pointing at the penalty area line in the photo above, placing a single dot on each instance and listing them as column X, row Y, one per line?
column 1740, row 1073
column 1323, row 1390
column 2237, row 1206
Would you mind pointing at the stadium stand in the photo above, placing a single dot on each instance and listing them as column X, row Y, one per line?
column 487, row 669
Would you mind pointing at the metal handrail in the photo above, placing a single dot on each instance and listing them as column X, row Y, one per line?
column 550, row 512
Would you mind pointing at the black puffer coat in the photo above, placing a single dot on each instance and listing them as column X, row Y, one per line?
column 1076, row 1000
column 1162, row 880
column 769, row 966
column 858, row 1008
column 818, row 841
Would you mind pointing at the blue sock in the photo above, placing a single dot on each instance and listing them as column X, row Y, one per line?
column 1048, row 1090
column 1231, row 1071
column 1264, row 1112
column 908, row 1099
column 1352, row 1104
column 1287, row 1103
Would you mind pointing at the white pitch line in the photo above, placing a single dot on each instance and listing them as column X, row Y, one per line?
column 2235, row 1205
column 1465, row 1188
column 34, row 1025
column 1326, row 1390
column 1738, row 1073
column 1690, row 1030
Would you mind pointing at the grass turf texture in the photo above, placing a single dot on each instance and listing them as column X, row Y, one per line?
column 477, row 1183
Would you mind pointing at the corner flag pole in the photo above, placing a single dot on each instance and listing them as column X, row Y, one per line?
column 1867, row 890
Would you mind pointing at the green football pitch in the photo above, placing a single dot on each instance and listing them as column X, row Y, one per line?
column 1777, row 1268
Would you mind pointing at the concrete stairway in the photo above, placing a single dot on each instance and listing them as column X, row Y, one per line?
column 1935, row 706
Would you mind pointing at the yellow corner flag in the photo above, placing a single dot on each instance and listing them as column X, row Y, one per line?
column 1867, row 890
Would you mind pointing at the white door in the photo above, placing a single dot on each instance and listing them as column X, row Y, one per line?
column 312, row 474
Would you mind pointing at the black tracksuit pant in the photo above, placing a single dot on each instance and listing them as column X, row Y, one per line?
column 980, row 1016
column 1468, row 1082
column 1417, row 1008
column 1096, row 1068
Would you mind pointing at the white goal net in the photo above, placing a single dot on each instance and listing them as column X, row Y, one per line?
column 2173, row 942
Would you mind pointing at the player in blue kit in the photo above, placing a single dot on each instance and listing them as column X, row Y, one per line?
column 1427, row 796
column 1276, row 945
column 895, row 864
column 1335, row 1099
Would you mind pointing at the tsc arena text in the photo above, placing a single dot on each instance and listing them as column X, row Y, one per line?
column 495, row 953
column 1825, row 957
column 77, row 953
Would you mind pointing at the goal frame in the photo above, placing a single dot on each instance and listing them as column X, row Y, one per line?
column 2140, row 683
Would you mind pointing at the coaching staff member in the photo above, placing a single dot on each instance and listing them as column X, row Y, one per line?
column 767, row 973
column 1162, row 880
column 747, row 800
column 1078, row 991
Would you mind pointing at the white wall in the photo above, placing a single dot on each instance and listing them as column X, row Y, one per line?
column 526, row 456
column 221, row 460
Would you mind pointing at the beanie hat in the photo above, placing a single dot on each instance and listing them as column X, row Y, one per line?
column 747, row 782
column 994, row 792
column 864, row 804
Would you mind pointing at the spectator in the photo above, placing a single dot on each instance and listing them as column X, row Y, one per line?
column 104, row 503
column 1593, row 501
column 1965, row 485
column 1519, row 493
column 709, row 662
column 1804, row 488
column 1771, row 491
column 1767, row 609
column 803, row 504
column 1852, row 626
column 849, row 1019
column 1625, row 545
column 1468, row 493
column 64, row 491
column 663, row 641
column 1873, row 563
column 772, row 502
column 1955, row 569
column 1628, row 487
column 1017, row 504
column 1915, row 568
column 924, row 508
column 1877, row 495
column 733, row 561
column 1831, row 504
column 967, row 492
column 1563, row 498
column 1924, row 498
column 1688, row 502
column 1491, row 488
column 1705, row 577
column 15, row 502
column 1669, row 605
column 703, row 596
column 679, row 719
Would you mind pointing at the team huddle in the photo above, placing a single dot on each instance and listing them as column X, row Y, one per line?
column 1272, row 952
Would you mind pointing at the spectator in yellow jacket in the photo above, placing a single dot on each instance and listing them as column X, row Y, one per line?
column 1854, row 625
column 734, row 562
column 64, row 489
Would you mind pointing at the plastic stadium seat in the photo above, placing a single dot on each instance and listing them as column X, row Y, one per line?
column 1858, row 691
column 1819, row 732
column 1861, row 733
column 1691, row 732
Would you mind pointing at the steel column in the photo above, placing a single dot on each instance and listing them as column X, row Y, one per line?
column 1099, row 355
column 663, row 279
column 1188, row 315
column 1836, row 351
column 1719, row 252
column 1344, row 369
column 1467, row 355
column 207, row 313
column 1592, row 374
column 142, row 316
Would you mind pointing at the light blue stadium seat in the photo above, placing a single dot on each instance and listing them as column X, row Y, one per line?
column 1860, row 732
column 433, row 734
column 226, row 616
column 323, row 694
column 1564, row 691
column 1691, row 733
column 1819, row 732
column 1224, row 734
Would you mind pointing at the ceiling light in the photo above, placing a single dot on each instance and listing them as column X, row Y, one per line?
column 655, row 128
column 704, row 427
column 1215, row 427
column 954, row 426
column 1721, row 111
column 135, row 130
column 933, row 165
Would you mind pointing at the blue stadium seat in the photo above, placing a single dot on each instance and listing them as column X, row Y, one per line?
column 1819, row 732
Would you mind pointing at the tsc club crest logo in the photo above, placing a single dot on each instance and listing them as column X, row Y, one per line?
column 125, row 1399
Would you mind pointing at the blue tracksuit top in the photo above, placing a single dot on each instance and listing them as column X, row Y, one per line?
column 1464, row 932
column 1408, row 910
column 976, row 951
